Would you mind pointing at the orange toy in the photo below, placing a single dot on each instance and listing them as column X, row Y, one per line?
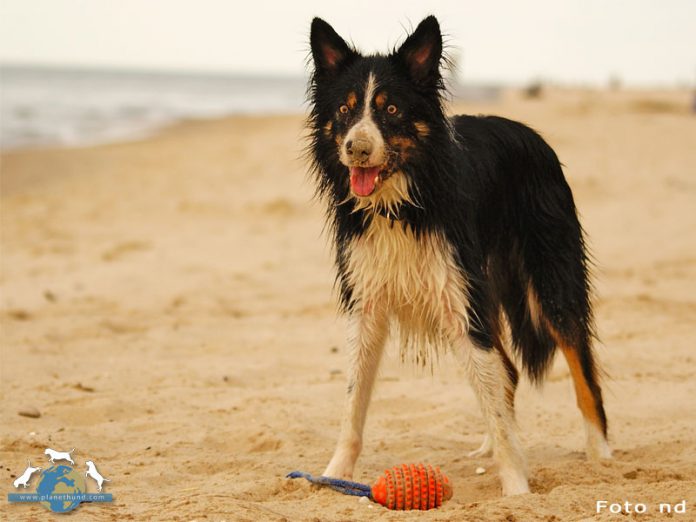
column 405, row 487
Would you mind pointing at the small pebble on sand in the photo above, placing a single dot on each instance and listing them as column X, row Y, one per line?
column 480, row 471
column 30, row 412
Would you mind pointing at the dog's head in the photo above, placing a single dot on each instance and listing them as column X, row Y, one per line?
column 373, row 116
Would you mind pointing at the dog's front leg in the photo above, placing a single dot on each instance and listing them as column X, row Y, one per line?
column 370, row 333
column 488, row 378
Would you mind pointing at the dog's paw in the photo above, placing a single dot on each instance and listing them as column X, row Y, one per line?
column 340, row 468
column 514, row 482
column 515, row 489
column 597, row 447
column 343, row 461
column 599, row 451
column 337, row 472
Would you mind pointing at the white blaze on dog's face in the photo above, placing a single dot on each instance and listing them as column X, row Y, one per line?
column 363, row 147
column 371, row 150
column 374, row 148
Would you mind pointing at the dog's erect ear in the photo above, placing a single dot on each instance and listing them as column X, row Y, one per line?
column 330, row 52
column 422, row 51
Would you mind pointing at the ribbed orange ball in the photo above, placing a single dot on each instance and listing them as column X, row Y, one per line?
column 412, row 486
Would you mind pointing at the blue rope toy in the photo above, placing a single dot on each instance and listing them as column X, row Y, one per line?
column 342, row 486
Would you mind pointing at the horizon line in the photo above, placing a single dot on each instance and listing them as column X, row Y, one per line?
column 675, row 84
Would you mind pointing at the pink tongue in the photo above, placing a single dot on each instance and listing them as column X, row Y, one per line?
column 362, row 180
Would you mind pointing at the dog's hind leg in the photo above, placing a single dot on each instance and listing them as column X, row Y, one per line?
column 371, row 328
column 589, row 397
column 571, row 332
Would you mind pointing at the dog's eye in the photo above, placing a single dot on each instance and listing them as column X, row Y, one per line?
column 392, row 109
column 344, row 109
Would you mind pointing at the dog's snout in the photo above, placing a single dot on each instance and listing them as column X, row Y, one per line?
column 359, row 148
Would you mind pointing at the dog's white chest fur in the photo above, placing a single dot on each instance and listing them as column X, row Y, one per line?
column 415, row 279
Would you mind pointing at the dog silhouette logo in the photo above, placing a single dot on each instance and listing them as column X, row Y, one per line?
column 94, row 474
column 60, row 488
column 24, row 478
column 60, row 455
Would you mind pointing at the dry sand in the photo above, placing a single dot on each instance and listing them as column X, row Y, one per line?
column 167, row 308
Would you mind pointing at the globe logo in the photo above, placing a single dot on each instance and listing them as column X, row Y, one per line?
column 58, row 484
column 59, row 487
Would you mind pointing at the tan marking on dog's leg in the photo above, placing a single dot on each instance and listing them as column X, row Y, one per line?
column 583, row 394
column 371, row 332
column 596, row 443
column 597, row 446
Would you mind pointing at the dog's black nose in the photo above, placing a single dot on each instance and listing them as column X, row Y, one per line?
column 360, row 149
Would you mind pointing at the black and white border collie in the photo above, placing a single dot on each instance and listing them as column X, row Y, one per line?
column 447, row 229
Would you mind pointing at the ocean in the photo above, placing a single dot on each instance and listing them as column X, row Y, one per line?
column 73, row 107
column 61, row 107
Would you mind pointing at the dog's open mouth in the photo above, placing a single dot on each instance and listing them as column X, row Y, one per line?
column 364, row 180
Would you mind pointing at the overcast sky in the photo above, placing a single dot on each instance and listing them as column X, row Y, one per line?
column 643, row 42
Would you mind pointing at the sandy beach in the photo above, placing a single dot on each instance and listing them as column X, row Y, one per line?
column 167, row 309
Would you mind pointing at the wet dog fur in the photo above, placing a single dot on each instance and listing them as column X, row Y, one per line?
column 448, row 232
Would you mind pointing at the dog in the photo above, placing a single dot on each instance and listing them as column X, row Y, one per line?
column 451, row 231
column 93, row 473
column 59, row 455
column 24, row 478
